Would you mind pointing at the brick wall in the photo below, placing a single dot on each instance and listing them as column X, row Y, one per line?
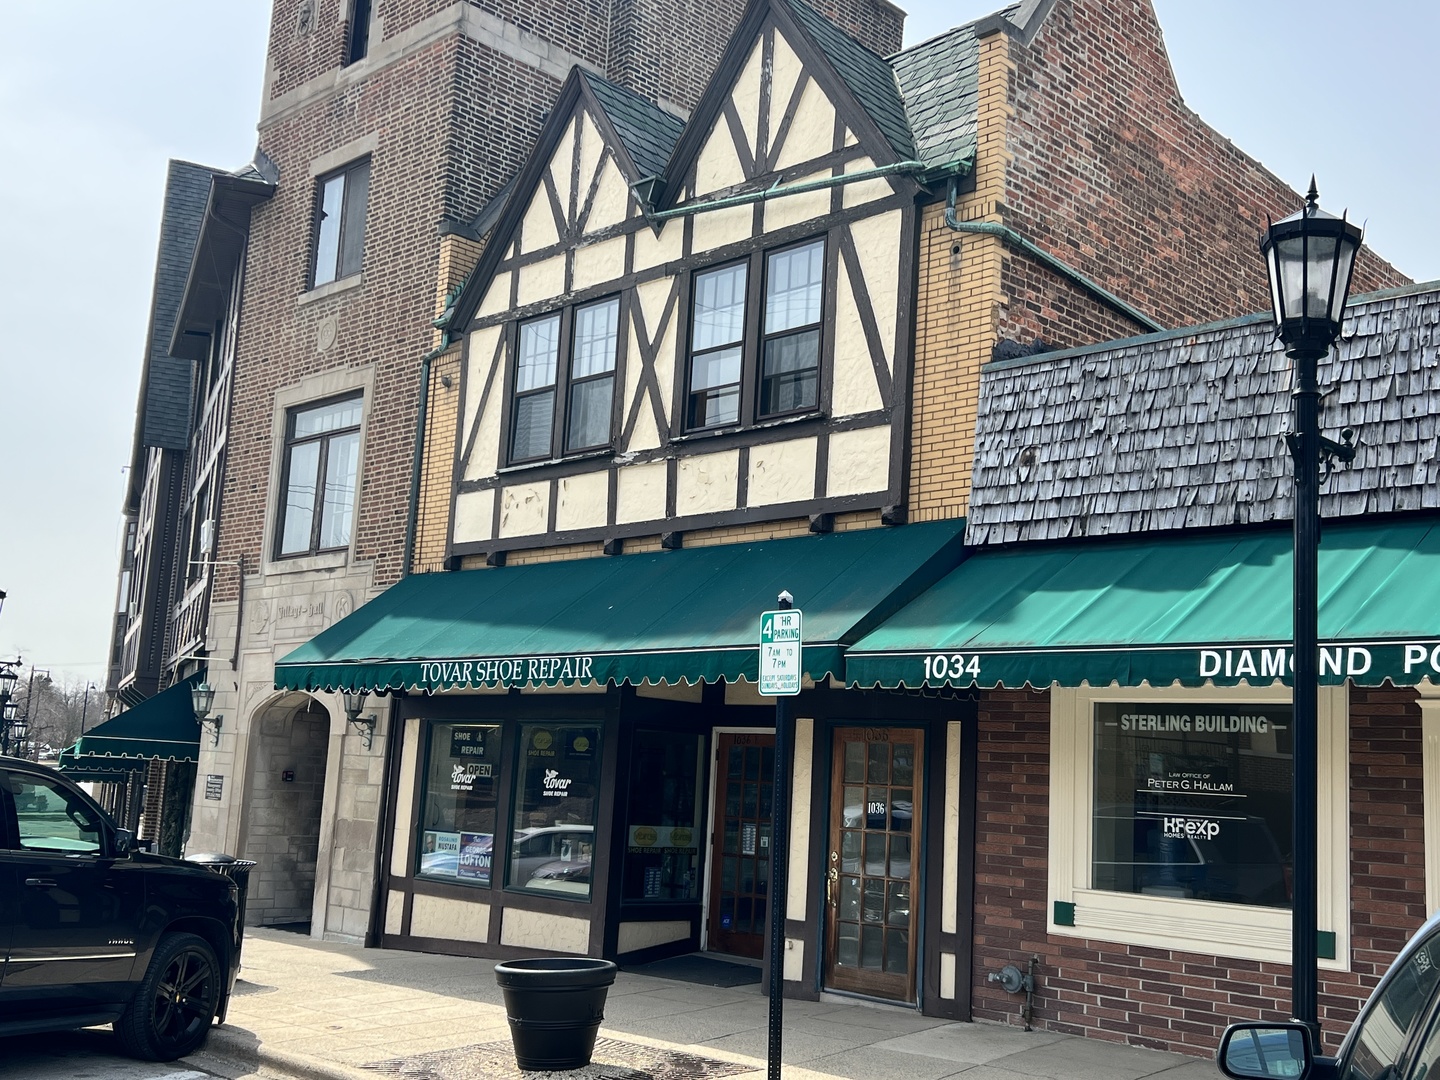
column 1164, row 998
column 1111, row 172
column 432, row 526
column 667, row 51
column 957, row 312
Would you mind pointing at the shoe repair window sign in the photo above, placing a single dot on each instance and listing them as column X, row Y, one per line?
column 467, row 741
column 1192, row 800
column 463, row 777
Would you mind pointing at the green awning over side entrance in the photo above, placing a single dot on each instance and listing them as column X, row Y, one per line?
column 1191, row 610
column 162, row 726
column 670, row 616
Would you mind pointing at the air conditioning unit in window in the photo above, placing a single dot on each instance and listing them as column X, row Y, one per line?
column 207, row 536
column 132, row 611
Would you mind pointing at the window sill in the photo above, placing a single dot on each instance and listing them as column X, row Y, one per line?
column 1181, row 925
column 540, row 463
column 763, row 425
column 299, row 564
column 329, row 289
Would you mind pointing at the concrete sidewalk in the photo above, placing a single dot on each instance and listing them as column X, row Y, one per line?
column 338, row 1012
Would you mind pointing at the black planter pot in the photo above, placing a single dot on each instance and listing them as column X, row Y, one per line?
column 554, row 1005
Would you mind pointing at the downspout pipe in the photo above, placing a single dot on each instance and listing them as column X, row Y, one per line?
column 1015, row 240
column 778, row 190
column 416, row 466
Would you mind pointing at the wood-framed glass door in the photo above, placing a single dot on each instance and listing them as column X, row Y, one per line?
column 740, row 866
column 872, row 864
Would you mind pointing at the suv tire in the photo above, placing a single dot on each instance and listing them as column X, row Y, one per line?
column 172, row 1010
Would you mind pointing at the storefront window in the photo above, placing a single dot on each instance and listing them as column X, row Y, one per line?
column 457, row 824
column 662, row 822
column 1193, row 800
column 557, row 786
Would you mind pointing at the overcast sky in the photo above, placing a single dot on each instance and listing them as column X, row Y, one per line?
column 96, row 96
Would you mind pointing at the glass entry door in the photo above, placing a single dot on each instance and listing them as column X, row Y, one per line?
column 740, row 869
column 870, row 874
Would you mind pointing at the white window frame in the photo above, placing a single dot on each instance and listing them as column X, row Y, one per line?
column 313, row 390
column 1199, row 926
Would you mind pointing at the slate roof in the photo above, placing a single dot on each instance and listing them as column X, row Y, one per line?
column 164, row 412
column 1186, row 429
column 648, row 131
column 868, row 76
column 940, row 83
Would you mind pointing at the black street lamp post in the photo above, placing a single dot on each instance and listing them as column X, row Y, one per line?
column 9, row 676
column 1309, row 257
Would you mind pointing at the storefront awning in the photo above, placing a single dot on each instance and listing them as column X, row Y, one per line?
column 162, row 726
column 664, row 617
column 1195, row 609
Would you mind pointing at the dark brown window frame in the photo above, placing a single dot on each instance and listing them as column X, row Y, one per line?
column 754, row 338
column 357, row 33
column 564, row 383
column 321, row 467
column 349, row 247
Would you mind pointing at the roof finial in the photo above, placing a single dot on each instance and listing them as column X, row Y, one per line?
column 1312, row 199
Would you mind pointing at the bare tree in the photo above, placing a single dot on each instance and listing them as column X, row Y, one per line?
column 55, row 708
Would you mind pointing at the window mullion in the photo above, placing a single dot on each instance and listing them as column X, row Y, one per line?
column 564, row 365
column 318, row 515
column 751, row 342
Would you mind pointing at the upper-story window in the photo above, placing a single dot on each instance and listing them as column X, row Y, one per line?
column 756, row 358
column 340, row 222
column 317, row 485
column 357, row 39
column 565, row 382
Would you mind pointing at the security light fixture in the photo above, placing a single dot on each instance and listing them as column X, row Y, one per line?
column 202, row 698
column 364, row 726
column 1309, row 257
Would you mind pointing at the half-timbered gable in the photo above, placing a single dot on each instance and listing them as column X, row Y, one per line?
column 683, row 326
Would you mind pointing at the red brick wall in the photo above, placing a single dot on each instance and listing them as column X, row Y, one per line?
column 1040, row 304
column 1158, row 997
column 1112, row 173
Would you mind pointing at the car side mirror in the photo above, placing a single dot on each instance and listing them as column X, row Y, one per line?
column 124, row 842
column 1266, row 1052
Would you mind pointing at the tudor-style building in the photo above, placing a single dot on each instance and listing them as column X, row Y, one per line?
column 700, row 364
column 638, row 368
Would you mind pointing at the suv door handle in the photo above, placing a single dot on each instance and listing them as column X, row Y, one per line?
column 42, row 882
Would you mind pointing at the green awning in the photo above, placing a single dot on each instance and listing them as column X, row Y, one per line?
column 664, row 617
column 1193, row 609
column 162, row 726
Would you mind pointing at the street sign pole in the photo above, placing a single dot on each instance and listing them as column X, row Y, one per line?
column 781, row 648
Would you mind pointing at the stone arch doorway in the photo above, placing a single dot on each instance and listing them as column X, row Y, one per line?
column 289, row 749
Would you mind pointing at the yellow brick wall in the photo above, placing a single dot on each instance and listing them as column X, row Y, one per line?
column 957, row 314
column 458, row 257
column 432, row 523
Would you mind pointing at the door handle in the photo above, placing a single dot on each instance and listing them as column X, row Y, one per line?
column 831, row 876
column 42, row 882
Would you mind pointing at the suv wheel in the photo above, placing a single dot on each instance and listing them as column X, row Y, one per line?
column 171, row 1012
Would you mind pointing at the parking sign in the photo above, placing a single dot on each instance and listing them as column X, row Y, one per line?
column 780, row 651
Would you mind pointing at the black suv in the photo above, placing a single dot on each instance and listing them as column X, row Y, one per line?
column 94, row 931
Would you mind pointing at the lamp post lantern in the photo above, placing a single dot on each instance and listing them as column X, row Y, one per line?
column 1309, row 257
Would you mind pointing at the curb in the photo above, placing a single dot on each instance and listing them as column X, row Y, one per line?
column 228, row 1046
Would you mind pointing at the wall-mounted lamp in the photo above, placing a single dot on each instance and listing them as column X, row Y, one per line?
column 202, row 697
column 364, row 725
